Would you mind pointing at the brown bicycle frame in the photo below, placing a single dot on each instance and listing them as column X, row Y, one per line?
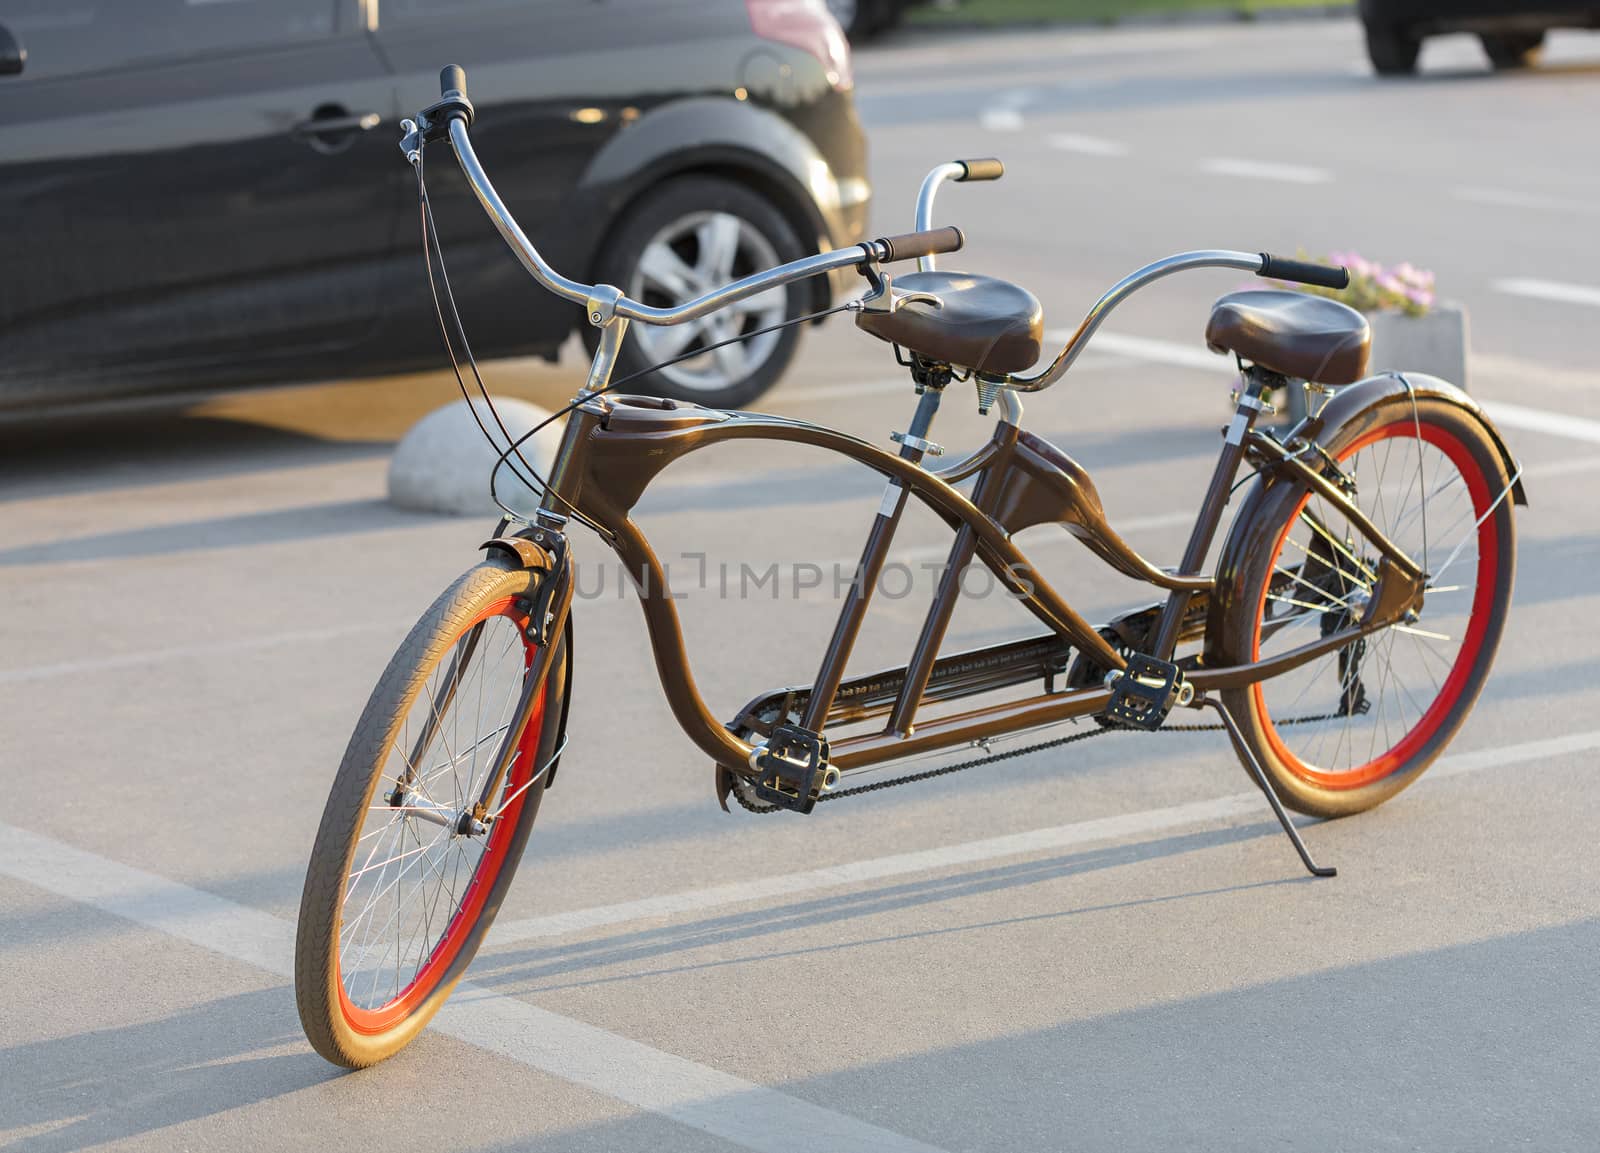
column 615, row 446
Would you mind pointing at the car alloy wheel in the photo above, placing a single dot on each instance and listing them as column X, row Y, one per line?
column 688, row 258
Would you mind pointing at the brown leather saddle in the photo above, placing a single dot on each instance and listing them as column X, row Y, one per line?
column 997, row 327
column 979, row 322
column 1293, row 334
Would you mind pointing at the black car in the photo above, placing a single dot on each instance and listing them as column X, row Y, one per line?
column 1512, row 31
column 862, row 19
column 194, row 194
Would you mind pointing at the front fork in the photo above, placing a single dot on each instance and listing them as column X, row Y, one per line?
column 543, row 549
column 547, row 604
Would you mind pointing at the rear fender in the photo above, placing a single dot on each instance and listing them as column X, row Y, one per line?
column 1357, row 402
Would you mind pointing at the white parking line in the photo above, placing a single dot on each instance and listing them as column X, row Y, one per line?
column 1002, row 120
column 1507, row 198
column 1171, row 352
column 1263, row 170
column 1539, row 420
column 706, row 1099
column 189, row 652
column 1087, row 145
column 1197, row 357
column 1054, row 839
column 738, row 1111
column 1552, row 290
column 1004, row 112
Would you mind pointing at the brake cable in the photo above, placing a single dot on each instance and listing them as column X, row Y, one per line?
column 522, row 470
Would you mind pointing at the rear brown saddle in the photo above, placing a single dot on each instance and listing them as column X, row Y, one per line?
column 997, row 328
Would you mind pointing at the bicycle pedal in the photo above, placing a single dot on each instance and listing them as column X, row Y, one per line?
column 792, row 768
column 1145, row 692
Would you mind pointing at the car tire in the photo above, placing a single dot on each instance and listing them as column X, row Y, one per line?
column 1393, row 51
column 682, row 239
column 1511, row 50
column 862, row 19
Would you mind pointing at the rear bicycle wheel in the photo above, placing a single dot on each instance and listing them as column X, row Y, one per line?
column 1344, row 733
column 402, row 885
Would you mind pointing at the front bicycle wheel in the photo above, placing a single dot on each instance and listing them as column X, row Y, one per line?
column 403, row 880
column 1348, row 731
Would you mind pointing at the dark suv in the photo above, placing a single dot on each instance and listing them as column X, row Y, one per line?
column 1512, row 31
column 194, row 194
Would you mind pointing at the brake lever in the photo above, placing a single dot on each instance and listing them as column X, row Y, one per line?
column 432, row 123
column 412, row 138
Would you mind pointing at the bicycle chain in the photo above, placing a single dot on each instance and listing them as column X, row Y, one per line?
column 962, row 766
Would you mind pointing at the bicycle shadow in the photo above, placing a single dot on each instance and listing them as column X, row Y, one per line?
column 111, row 1084
column 1432, row 1044
column 538, row 969
column 271, row 526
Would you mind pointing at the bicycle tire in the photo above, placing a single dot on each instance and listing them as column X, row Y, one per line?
column 1294, row 759
column 338, row 1024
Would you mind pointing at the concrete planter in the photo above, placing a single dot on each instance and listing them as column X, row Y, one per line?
column 1435, row 344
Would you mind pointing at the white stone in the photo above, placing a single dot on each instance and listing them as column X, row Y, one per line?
column 1435, row 344
column 443, row 464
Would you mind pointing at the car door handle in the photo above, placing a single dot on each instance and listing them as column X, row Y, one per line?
column 338, row 125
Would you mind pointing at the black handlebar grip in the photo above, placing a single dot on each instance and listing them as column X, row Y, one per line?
column 453, row 79
column 986, row 169
column 1303, row 272
column 910, row 245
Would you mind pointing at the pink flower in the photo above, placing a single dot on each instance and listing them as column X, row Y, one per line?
column 1413, row 275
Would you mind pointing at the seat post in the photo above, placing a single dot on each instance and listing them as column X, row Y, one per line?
column 921, row 422
column 1249, row 408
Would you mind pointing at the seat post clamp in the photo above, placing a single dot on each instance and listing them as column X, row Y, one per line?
column 1247, row 400
column 926, row 447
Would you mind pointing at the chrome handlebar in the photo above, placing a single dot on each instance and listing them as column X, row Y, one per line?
column 602, row 302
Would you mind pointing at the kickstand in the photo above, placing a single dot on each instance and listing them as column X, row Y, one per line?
column 1260, row 776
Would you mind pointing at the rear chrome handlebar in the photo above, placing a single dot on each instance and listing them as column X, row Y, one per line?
column 1184, row 262
column 958, row 171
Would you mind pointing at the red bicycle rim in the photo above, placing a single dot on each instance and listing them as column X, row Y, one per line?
column 433, row 969
column 1455, row 681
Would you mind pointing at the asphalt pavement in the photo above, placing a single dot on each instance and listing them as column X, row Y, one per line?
column 1106, row 947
